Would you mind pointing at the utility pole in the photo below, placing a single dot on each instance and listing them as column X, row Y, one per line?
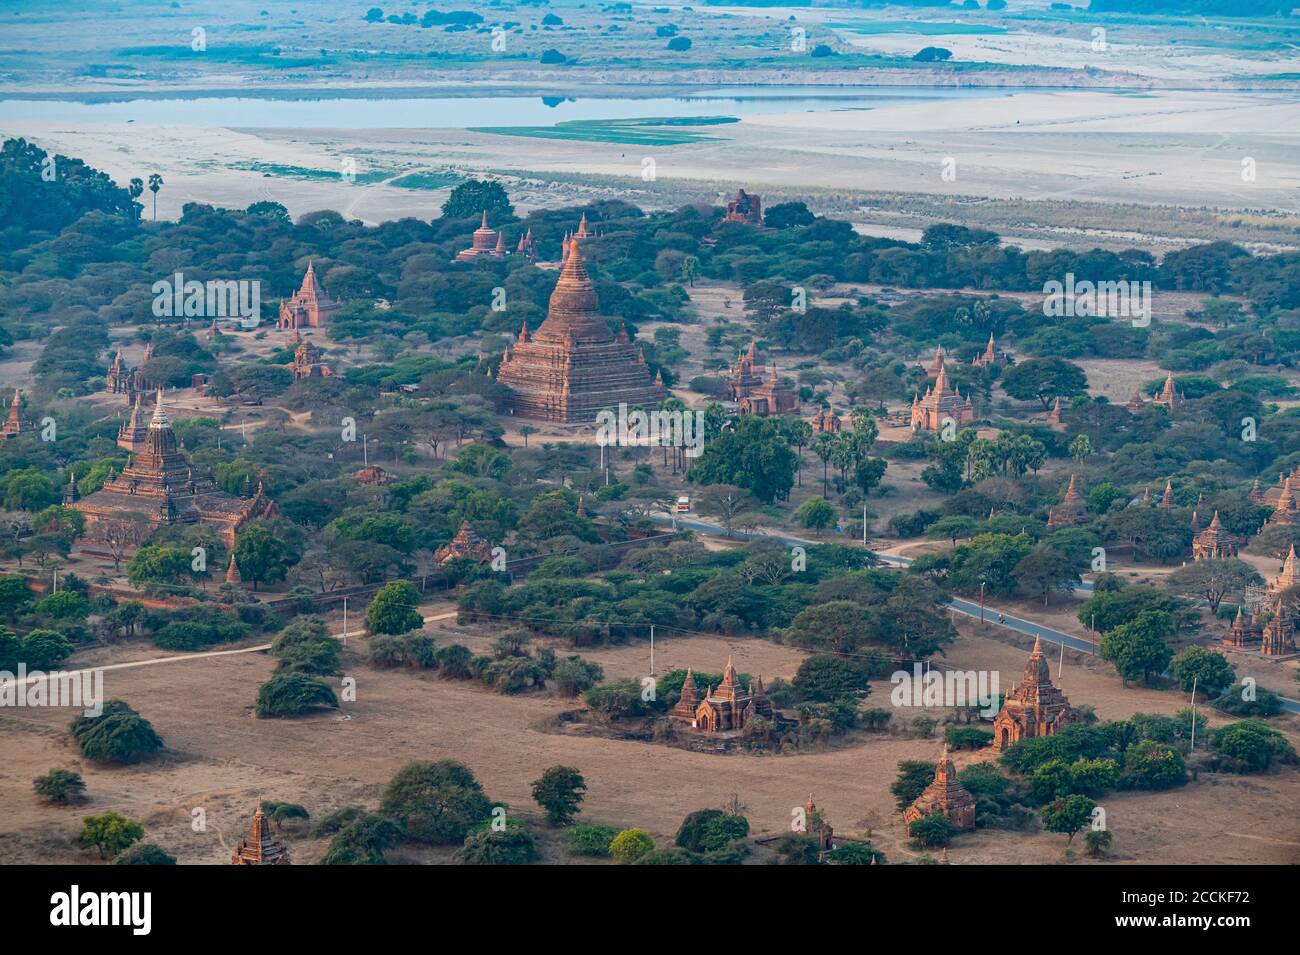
column 1192, row 747
column 652, row 649
column 864, row 525
column 1061, row 665
column 345, row 621
column 981, row 601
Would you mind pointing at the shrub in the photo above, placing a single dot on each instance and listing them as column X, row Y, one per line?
column 794, row 848
column 855, row 853
column 630, row 845
column 329, row 824
column 393, row 609
column 363, row 840
column 574, row 675
column 966, row 737
column 1098, row 842
column 930, row 831
column 1257, row 701
column 513, row 845
column 454, row 662
column 588, row 840
column 670, row 857
column 1253, row 743
column 45, row 649
column 616, row 701
column 144, row 853
column 59, row 786
column 118, row 735
column 414, row 650
column 1152, row 765
column 708, row 830
column 110, row 833
column 314, row 658
column 439, row 802
column 292, row 694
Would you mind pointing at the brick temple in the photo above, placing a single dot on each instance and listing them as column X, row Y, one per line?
column 941, row 403
column 486, row 243
column 1034, row 707
column 573, row 366
column 15, row 424
column 1071, row 510
column 259, row 848
column 1271, row 626
column 157, row 487
column 729, row 707
column 745, row 208
column 123, row 379
column 310, row 306
column 1215, row 542
column 946, row 796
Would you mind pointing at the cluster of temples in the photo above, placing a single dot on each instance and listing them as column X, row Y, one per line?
column 728, row 707
column 158, row 487
column 1270, row 626
column 1169, row 397
column 126, row 380
column 310, row 306
column 573, row 366
column 941, row 401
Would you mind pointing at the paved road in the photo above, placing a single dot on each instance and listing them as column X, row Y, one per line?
column 955, row 604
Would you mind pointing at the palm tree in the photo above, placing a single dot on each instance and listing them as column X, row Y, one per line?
column 824, row 447
column 155, row 183
column 136, row 188
column 525, row 430
column 690, row 269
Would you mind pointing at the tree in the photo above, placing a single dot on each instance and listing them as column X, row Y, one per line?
column 1253, row 743
column 574, row 675
column 754, row 455
column 1138, row 648
column 1208, row 671
column 45, row 649
column 439, row 802
column 952, row 527
column 824, row 678
column 835, row 627
column 1067, row 815
column 144, row 853
column 913, row 776
column 473, row 197
column 1045, row 379
column 559, row 791
column 1080, row 448
column 261, row 555
column 155, row 183
column 110, row 833
column 394, row 610
column 1213, row 579
column 1098, row 840
column 118, row 735
column 932, row 54
column 59, row 786
column 690, row 270
column 630, row 845
column 815, row 514
column 292, row 694
column 1044, row 571
column 513, row 845
column 1149, row 764
column 726, row 502
column 362, row 840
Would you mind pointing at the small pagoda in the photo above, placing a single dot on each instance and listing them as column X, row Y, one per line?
column 1214, row 542
column 946, row 797
column 747, row 372
column 466, row 545
column 485, row 243
column 772, row 397
column 991, row 356
column 14, row 423
column 1170, row 397
column 259, row 848
column 1071, row 510
column 310, row 306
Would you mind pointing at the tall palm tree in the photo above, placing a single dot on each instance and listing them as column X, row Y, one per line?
column 155, row 183
column 136, row 188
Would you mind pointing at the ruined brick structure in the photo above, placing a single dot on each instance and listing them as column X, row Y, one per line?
column 306, row 361
column 157, row 487
column 259, row 848
column 946, row 796
column 1034, row 707
column 125, row 380
column 573, row 366
column 310, row 306
column 745, row 208
column 729, row 708
column 827, row 422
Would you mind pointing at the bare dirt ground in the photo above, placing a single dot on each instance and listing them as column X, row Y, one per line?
column 223, row 760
